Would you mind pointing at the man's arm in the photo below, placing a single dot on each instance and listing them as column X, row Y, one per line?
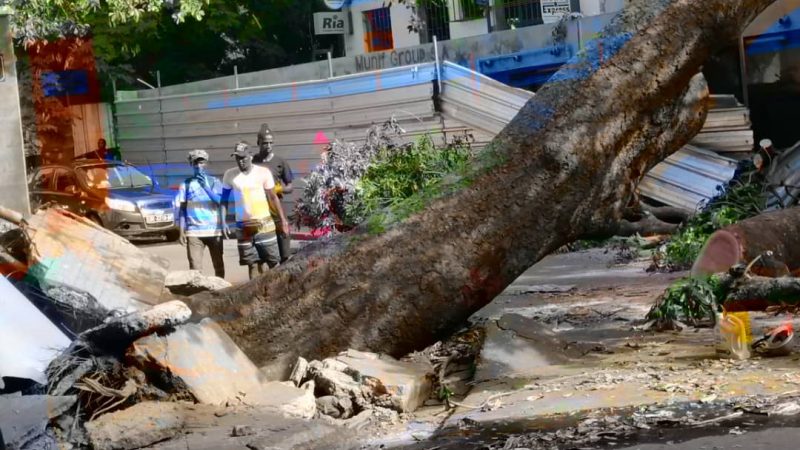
column 210, row 190
column 287, row 177
column 181, row 198
column 182, row 224
column 223, row 212
column 276, row 202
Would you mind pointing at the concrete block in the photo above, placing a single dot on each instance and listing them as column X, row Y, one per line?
column 216, row 371
column 407, row 384
column 125, row 329
column 190, row 282
column 138, row 426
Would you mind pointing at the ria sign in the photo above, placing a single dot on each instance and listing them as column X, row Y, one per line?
column 334, row 4
column 330, row 23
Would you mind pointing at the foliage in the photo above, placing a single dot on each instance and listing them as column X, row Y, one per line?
column 185, row 41
column 687, row 300
column 43, row 19
column 379, row 182
column 738, row 201
column 398, row 176
column 331, row 185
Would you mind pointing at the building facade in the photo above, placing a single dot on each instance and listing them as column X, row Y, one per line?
column 374, row 26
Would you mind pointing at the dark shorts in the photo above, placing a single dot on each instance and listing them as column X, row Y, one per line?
column 258, row 243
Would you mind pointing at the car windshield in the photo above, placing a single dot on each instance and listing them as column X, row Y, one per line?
column 113, row 177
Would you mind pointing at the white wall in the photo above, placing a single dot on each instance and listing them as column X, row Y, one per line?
column 467, row 28
column 13, row 180
column 401, row 17
column 596, row 7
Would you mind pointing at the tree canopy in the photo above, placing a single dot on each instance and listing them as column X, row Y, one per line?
column 185, row 40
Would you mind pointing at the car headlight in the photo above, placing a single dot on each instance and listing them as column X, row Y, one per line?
column 120, row 205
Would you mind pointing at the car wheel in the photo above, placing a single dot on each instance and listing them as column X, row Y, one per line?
column 173, row 235
column 95, row 218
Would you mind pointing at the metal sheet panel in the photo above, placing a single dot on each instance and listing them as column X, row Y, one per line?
column 297, row 113
column 687, row 178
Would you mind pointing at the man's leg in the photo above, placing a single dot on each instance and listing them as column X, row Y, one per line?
column 214, row 245
column 268, row 250
column 253, row 270
column 248, row 255
column 194, row 249
column 284, row 241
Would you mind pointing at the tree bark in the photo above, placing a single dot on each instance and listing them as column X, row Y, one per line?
column 648, row 226
column 564, row 167
column 759, row 293
column 740, row 243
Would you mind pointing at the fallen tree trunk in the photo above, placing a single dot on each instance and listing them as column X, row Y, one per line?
column 759, row 293
column 564, row 167
column 648, row 226
column 740, row 243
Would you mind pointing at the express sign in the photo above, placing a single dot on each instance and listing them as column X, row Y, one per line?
column 552, row 10
column 329, row 23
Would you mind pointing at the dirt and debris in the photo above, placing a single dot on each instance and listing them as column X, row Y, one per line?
column 25, row 420
column 139, row 426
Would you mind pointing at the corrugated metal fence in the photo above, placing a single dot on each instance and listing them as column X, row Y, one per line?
column 157, row 133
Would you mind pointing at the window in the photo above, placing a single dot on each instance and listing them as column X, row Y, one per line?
column 378, row 30
column 65, row 179
column 42, row 180
column 113, row 177
column 522, row 13
column 437, row 21
column 470, row 10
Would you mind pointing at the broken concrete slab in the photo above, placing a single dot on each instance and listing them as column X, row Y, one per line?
column 538, row 289
column 506, row 354
column 121, row 331
column 405, row 385
column 190, row 282
column 211, row 428
column 138, row 426
column 216, row 371
column 336, row 407
column 299, row 371
column 332, row 382
column 29, row 339
column 24, row 419
column 72, row 251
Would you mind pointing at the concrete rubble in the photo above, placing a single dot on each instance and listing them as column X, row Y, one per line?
column 560, row 344
column 73, row 252
column 190, row 282
column 65, row 263
column 353, row 382
column 138, row 426
column 24, row 420
column 215, row 371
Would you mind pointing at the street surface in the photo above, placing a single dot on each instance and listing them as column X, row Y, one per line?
column 178, row 260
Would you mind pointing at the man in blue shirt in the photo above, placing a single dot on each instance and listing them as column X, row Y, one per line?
column 200, row 217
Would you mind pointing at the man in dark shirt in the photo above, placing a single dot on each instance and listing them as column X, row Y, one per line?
column 282, row 173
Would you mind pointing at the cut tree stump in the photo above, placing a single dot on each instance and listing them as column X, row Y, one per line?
column 564, row 167
column 740, row 243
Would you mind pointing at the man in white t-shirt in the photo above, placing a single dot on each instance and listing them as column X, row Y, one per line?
column 253, row 191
